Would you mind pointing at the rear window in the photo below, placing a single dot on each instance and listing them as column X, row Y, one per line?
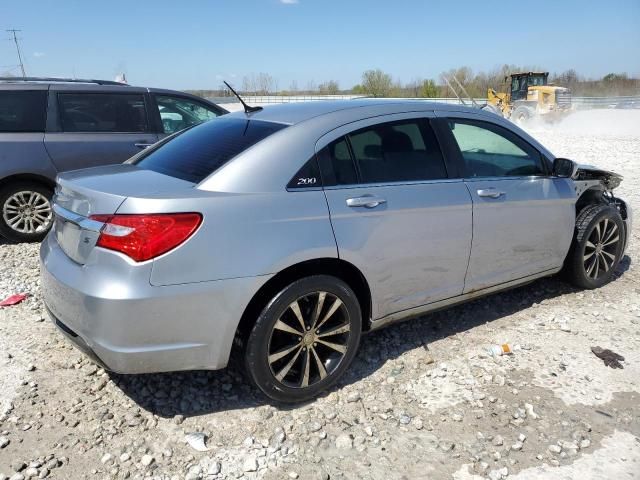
column 196, row 153
column 23, row 111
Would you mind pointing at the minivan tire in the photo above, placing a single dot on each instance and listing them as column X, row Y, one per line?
column 264, row 359
column 8, row 201
column 599, row 236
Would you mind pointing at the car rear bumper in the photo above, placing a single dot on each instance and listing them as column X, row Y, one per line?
column 129, row 326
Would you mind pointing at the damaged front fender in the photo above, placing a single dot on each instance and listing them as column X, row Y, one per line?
column 594, row 185
column 594, row 176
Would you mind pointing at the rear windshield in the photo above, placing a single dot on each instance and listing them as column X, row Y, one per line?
column 196, row 153
column 23, row 111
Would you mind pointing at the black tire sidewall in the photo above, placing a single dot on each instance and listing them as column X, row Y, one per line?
column 7, row 191
column 577, row 271
column 256, row 352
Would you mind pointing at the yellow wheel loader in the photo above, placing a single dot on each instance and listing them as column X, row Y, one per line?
column 529, row 95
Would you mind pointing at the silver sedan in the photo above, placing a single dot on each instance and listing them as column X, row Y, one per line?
column 286, row 233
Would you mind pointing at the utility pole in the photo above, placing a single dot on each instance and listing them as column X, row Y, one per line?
column 15, row 39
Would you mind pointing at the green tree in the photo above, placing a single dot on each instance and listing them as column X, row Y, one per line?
column 429, row 89
column 376, row 83
column 614, row 77
column 329, row 88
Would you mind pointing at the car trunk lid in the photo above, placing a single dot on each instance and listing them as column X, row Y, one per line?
column 101, row 190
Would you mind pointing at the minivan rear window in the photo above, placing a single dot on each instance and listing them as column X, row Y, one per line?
column 23, row 111
column 199, row 151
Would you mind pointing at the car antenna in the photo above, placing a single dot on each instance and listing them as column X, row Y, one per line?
column 247, row 108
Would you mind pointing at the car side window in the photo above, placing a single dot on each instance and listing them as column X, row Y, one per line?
column 179, row 113
column 336, row 164
column 102, row 112
column 488, row 150
column 397, row 151
column 23, row 111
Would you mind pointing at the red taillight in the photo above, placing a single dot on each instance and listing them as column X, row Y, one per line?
column 143, row 237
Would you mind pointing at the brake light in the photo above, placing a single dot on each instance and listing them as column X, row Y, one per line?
column 143, row 237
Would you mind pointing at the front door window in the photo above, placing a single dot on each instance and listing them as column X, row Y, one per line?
column 179, row 113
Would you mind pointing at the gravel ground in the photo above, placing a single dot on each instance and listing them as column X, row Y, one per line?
column 422, row 400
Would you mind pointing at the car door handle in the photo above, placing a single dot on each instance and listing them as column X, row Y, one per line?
column 367, row 201
column 490, row 192
column 143, row 145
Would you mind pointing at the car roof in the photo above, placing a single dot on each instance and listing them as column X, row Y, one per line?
column 312, row 125
column 293, row 113
column 49, row 80
column 61, row 84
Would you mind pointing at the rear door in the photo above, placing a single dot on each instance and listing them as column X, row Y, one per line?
column 97, row 127
column 396, row 213
column 522, row 216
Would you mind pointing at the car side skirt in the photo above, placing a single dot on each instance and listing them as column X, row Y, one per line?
column 450, row 302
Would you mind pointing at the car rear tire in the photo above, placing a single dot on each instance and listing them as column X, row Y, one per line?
column 304, row 339
column 597, row 246
column 26, row 214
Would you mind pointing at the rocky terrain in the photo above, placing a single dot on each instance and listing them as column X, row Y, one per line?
column 423, row 399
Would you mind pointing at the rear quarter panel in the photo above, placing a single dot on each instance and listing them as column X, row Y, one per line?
column 242, row 235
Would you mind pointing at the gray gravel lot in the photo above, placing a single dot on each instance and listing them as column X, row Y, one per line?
column 422, row 400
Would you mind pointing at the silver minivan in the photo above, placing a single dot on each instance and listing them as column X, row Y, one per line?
column 52, row 125
column 285, row 233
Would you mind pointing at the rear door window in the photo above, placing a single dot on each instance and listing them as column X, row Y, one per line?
column 103, row 112
column 396, row 152
column 199, row 151
column 337, row 164
column 23, row 111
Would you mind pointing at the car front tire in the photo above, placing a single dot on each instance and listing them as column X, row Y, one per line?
column 597, row 246
column 26, row 214
column 304, row 339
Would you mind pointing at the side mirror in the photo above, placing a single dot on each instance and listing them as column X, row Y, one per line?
column 564, row 168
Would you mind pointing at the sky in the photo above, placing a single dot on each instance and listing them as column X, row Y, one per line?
column 195, row 44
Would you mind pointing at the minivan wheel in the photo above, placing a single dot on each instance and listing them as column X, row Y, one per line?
column 304, row 339
column 597, row 246
column 25, row 211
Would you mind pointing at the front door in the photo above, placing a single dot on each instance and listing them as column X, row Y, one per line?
column 396, row 214
column 98, row 129
column 522, row 217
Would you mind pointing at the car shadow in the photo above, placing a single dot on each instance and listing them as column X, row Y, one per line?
column 197, row 393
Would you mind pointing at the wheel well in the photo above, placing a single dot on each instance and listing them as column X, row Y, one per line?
column 591, row 196
column 28, row 177
column 594, row 196
column 324, row 266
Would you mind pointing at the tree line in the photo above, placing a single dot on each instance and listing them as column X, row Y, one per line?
column 377, row 83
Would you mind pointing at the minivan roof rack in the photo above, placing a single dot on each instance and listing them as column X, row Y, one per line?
column 60, row 80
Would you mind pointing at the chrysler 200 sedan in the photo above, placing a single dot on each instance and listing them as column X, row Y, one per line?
column 285, row 233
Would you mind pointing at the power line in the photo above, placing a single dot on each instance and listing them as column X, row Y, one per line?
column 15, row 39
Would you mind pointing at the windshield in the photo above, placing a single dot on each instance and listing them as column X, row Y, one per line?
column 197, row 152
